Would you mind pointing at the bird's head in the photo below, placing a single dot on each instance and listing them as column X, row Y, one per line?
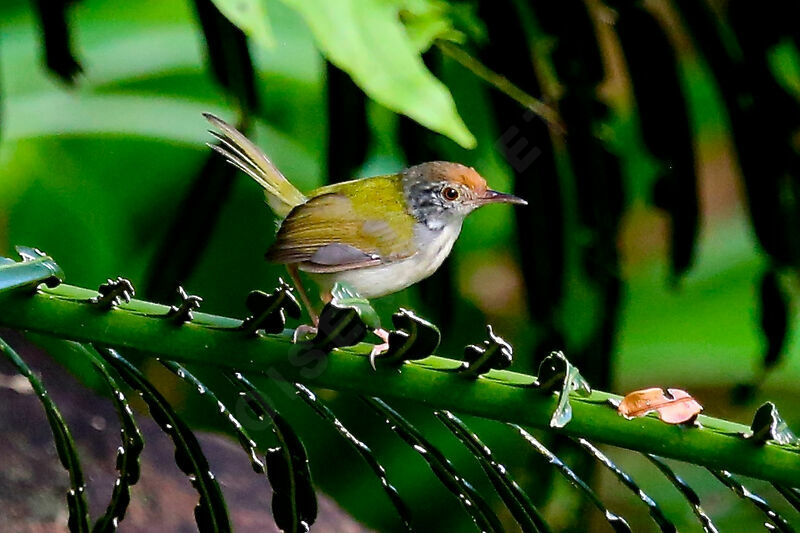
column 439, row 193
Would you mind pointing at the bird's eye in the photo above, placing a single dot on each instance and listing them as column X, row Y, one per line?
column 450, row 193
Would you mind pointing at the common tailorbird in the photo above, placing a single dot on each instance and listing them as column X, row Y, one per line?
column 379, row 234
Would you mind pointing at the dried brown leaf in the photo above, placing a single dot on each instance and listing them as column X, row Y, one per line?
column 674, row 406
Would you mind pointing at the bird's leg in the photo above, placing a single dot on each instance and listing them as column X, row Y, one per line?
column 304, row 329
column 292, row 268
column 379, row 348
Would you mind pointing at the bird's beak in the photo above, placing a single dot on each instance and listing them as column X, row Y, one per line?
column 494, row 197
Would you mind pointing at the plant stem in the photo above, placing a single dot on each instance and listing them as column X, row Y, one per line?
column 500, row 395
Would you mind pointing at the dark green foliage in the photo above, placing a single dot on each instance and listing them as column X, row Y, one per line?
column 78, row 521
column 663, row 116
column 526, row 143
column 236, row 428
column 472, row 502
column 412, row 338
column 128, row 454
column 525, row 513
column 294, row 504
column 779, row 522
column 363, row 450
column 567, row 160
column 762, row 117
column 615, row 521
column 228, row 55
column 187, row 235
column 57, row 39
column 287, row 464
column 774, row 316
column 655, row 511
column 348, row 130
column 210, row 513
column 687, row 491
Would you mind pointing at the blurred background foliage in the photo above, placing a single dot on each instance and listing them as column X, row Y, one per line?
column 661, row 245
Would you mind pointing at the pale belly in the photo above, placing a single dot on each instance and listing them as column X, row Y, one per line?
column 377, row 281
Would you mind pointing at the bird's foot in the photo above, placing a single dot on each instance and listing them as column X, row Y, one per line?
column 378, row 349
column 304, row 332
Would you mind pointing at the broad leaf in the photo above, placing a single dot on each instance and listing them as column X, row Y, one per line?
column 367, row 40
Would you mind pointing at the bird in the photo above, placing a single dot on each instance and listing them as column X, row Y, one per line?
column 378, row 234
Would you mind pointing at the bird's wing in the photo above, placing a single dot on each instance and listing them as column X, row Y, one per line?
column 327, row 234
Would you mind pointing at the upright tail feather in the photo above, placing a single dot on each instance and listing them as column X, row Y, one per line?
column 238, row 150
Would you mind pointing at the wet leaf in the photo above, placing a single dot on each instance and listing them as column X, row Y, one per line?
column 346, row 297
column 515, row 499
column 211, row 513
column 471, row 500
column 235, row 426
column 556, row 373
column 616, row 522
column 738, row 488
column 78, row 520
column 674, row 406
column 363, row 450
column 628, row 482
column 127, row 463
column 769, row 426
column 294, row 502
column 687, row 492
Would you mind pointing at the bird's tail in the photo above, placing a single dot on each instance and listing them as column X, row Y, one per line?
column 238, row 150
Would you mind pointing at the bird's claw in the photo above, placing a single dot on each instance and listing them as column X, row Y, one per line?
column 303, row 332
column 379, row 349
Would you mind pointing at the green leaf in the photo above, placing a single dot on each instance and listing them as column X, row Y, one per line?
column 35, row 268
column 556, row 373
column 768, row 425
column 211, row 513
column 367, row 40
column 294, row 502
column 78, row 517
column 428, row 20
column 345, row 297
column 251, row 17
